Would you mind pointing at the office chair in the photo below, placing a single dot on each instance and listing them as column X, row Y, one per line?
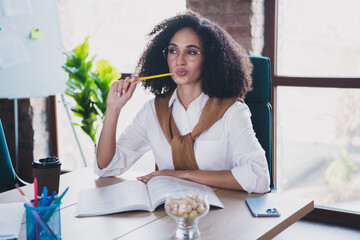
column 258, row 101
column 8, row 176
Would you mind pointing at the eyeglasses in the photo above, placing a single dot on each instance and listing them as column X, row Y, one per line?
column 190, row 54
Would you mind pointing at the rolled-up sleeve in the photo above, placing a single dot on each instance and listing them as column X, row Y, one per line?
column 130, row 146
column 250, row 166
column 115, row 167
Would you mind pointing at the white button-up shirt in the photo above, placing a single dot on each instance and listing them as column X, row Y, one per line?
column 230, row 144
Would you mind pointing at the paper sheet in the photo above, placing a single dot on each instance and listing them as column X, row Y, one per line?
column 16, row 7
column 11, row 215
column 12, row 49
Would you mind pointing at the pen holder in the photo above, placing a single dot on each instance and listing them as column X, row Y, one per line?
column 51, row 216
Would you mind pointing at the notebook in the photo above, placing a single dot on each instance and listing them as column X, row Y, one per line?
column 10, row 219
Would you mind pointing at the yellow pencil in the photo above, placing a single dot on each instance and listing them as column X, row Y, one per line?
column 155, row 76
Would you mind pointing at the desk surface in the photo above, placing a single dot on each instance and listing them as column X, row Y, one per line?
column 233, row 222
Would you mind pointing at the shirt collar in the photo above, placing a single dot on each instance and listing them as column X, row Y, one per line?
column 173, row 97
column 199, row 102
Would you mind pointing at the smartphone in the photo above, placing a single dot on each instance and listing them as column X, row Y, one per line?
column 262, row 207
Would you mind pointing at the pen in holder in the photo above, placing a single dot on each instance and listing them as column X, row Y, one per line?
column 50, row 214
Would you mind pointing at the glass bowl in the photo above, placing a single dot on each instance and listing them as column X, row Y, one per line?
column 186, row 208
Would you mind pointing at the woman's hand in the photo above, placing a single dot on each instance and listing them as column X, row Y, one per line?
column 220, row 178
column 120, row 92
column 163, row 172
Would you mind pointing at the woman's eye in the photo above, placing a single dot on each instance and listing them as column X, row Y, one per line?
column 192, row 52
column 173, row 51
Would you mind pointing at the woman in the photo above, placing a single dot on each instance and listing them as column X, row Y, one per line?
column 198, row 126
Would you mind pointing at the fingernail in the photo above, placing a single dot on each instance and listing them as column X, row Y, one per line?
column 118, row 94
column 132, row 78
column 123, row 91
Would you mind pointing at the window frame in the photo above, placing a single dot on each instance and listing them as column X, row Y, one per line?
column 321, row 213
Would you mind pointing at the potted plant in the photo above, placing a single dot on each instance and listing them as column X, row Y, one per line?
column 88, row 89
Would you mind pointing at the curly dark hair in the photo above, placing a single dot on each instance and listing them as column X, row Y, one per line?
column 227, row 68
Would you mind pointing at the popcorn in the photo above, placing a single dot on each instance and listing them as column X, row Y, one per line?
column 187, row 207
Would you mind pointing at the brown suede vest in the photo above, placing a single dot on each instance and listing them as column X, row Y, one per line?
column 183, row 146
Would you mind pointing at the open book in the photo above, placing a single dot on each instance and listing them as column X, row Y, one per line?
column 136, row 195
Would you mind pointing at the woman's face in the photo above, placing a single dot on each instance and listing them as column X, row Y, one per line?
column 185, row 57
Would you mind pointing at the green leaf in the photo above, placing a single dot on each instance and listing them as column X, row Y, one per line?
column 105, row 70
column 82, row 50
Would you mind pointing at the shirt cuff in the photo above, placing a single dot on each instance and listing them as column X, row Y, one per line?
column 245, row 176
column 115, row 167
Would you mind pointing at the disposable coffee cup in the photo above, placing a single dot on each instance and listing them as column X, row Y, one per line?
column 47, row 173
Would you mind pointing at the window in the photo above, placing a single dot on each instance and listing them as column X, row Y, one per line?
column 318, row 38
column 316, row 90
column 318, row 145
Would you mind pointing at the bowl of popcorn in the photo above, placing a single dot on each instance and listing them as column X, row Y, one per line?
column 186, row 208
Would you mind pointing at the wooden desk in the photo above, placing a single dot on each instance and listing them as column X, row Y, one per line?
column 233, row 222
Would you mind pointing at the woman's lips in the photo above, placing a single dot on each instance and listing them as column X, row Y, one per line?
column 180, row 72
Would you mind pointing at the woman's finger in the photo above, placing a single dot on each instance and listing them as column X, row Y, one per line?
column 126, row 85
column 120, row 87
column 134, row 77
column 113, row 88
column 114, row 85
column 146, row 177
column 131, row 88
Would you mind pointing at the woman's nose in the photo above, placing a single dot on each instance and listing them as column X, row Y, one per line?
column 180, row 59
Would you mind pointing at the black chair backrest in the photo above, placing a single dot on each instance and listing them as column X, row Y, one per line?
column 258, row 101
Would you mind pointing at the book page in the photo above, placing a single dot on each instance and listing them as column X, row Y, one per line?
column 124, row 196
column 10, row 219
column 159, row 187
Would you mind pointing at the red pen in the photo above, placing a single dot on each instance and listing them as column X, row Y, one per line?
column 36, row 204
column 36, row 192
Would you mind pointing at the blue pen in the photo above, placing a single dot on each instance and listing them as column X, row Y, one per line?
column 44, row 197
column 57, row 200
column 51, row 199
column 61, row 196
